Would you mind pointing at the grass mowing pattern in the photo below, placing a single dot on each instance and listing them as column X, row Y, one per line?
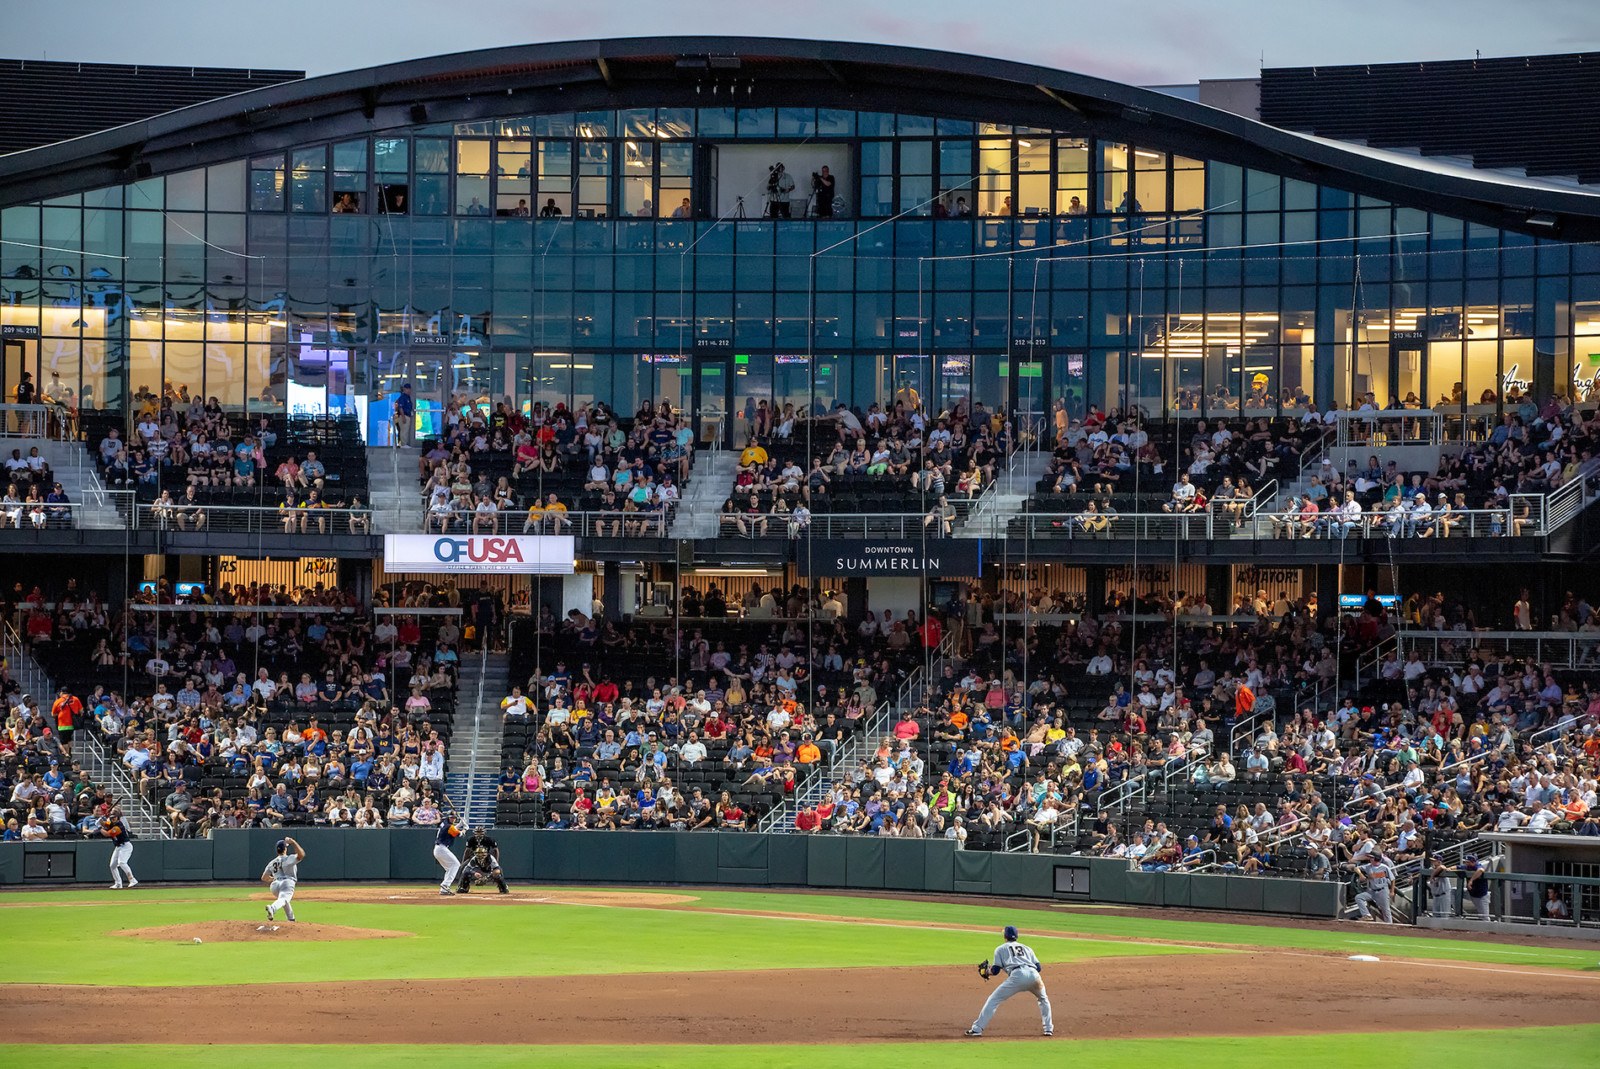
column 76, row 945
column 1573, row 1047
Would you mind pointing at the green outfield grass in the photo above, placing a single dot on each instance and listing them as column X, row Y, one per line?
column 1550, row 1048
column 68, row 937
column 1375, row 939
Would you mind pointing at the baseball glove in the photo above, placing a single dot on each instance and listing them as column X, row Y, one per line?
column 983, row 969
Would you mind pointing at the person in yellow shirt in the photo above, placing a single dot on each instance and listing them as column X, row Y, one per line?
column 535, row 521
column 753, row 455
column 555, row 514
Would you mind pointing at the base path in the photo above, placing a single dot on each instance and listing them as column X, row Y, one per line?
column 1253, row 993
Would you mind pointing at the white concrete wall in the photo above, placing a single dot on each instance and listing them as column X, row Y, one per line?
column 898, row 595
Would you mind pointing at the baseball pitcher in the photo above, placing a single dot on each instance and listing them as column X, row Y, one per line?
column 1021, row 966
column 280, row 876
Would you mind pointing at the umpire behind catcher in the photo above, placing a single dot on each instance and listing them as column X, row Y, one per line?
column 1021, row 966
column 481, row 863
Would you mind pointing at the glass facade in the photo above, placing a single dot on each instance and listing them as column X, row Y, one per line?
column 622, row 254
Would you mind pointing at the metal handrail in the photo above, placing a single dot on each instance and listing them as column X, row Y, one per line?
column 1427, row 426
column 35, row 421
column 143, row 817
column 1243, row 727
column 1384, row 793
column 1559, row 649
column 1166, row 526
column 1120, row 797
column 1022, row 835
column 1265, row 495
column 781, row 817
column 1215, row 862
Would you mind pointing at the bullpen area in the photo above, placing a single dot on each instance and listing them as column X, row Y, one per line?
column 398, row 975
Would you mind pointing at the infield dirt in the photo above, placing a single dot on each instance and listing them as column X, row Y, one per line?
column 259, row 931
column 1248, row 993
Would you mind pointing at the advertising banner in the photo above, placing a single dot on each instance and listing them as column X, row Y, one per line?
column 939, row 557
column 484, row 554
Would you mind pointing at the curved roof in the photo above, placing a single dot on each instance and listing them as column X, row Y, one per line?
column 666, row 71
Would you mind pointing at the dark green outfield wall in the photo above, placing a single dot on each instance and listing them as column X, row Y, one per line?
column 741, row 859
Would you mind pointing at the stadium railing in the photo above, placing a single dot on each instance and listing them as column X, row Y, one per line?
column 1559, row 649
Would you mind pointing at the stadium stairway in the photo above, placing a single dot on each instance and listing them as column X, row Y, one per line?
column 88, row 752
column 473, row 765
column 1005, row 497
column 396, row 495
column 917, row 691
column 712, row 484
column 73, row 468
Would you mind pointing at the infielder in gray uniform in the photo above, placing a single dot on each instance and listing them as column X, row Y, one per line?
column 280, row 876
column 1380, row 883
column 1021, row 966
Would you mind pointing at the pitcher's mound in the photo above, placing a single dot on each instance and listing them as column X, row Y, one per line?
column 256, row 931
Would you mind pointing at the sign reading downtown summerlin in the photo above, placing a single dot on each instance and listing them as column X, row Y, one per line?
column 936, row 556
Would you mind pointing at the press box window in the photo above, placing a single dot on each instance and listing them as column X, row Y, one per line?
column 268, row 180
column 309, row 180
column 391, row 164
column 472, row 177
column 349, row 176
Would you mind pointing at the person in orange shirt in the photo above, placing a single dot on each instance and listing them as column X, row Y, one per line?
column 1244, row 701
column 66, row 709
column 1576, row 808
column 808, row 752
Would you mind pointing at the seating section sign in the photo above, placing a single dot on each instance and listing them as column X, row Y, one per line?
column 887, row 556
column 516, row 554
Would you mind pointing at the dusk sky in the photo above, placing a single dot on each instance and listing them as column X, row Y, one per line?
column 1154, row 42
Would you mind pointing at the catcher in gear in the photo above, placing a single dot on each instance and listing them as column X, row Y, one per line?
column 482, row 863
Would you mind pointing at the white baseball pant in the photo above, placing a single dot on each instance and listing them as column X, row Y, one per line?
column 1016, row 982
column 1375, row 897
column 449, row 862
column 284, row 889
column 121, row 871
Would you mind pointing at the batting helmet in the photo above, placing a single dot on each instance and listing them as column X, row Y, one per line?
column 1010, row 933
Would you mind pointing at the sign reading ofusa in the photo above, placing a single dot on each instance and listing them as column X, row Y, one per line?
column 522, row 554
column 478, row 550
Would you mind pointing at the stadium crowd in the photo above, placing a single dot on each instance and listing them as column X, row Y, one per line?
column 44, row 794
column 186, row 457
column 642, row 724
column 1447, row 747
column 489, row 468
column 300, row 707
